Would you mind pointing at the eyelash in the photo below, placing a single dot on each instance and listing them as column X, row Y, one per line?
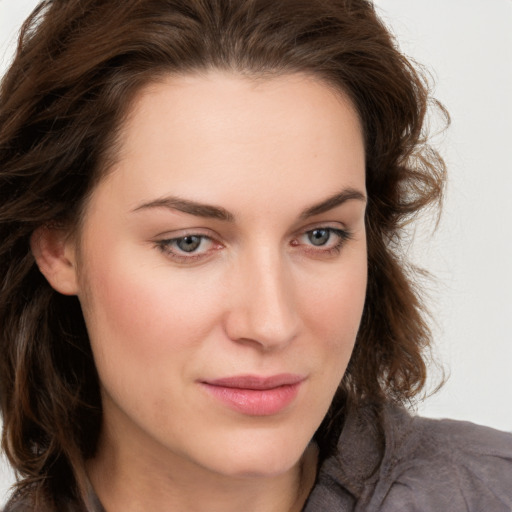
column 167, row 246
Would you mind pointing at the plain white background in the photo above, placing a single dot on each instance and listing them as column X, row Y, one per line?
column 467, row 45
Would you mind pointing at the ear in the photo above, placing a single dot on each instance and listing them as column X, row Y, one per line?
column 55, row 255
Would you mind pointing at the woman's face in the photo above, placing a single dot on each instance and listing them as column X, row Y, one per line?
column 222, row 270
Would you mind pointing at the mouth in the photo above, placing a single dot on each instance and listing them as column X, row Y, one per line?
column 254, row 395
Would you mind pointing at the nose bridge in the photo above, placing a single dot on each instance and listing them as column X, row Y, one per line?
column 264, row 311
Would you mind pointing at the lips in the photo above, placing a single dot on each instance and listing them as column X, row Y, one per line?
column 254, row 395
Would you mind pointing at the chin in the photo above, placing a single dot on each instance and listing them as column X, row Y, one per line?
column 268, row 456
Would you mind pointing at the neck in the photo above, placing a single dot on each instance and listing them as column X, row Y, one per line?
column 131, row 481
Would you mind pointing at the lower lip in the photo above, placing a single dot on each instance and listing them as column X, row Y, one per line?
column 255, row 402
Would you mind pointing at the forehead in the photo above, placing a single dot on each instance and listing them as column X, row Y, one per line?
column 230, row 132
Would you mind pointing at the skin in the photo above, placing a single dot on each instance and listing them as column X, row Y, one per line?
column 256, row 297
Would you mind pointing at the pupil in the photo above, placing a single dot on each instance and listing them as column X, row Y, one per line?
column 189, row 243
column 319, row 236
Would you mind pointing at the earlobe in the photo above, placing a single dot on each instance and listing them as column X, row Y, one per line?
column 54, row 253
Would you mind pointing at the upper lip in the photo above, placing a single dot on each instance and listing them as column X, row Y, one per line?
column 256, row 382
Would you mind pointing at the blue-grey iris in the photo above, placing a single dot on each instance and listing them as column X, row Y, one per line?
column 188, row 243
column 319, row 236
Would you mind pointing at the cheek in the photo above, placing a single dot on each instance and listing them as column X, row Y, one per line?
column 140, row 313
column 336, row 309
column 335, row 303
column 333, row 309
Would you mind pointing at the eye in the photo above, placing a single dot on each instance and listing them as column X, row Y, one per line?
column 323, row 240
column 188, row 248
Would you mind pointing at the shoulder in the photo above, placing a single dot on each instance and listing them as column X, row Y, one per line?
column 443, row 465
column 417, row 464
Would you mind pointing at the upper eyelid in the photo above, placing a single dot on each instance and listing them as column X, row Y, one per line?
column 182, row 233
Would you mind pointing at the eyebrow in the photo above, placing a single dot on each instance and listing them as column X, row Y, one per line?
column 190, row 207
column 332, row 202
column 219, row 213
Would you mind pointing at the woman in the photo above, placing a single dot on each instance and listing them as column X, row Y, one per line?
column 203, row 304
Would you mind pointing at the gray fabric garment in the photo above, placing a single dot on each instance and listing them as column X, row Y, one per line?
column 415, row 465
column 427, row 466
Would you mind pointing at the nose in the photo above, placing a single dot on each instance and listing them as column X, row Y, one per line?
column 262, row 308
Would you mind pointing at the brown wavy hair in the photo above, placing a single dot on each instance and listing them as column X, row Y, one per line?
column 78, row 65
